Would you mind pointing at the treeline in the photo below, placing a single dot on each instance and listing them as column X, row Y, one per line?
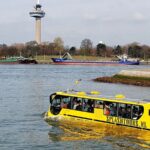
column 32, row 49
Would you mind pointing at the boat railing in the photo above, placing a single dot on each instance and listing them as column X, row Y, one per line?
column 75, row 92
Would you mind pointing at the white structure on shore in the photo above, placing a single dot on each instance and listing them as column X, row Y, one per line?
column 37, row 13
column 136, row 73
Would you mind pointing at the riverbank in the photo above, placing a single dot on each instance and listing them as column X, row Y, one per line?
column 47, row 59
column 131, row 77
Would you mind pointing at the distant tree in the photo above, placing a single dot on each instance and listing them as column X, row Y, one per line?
column 12, row 51
column 3, row 45
column 101, row 49
column 52, row 50
column 86, row 47
column 45, row 43
column 31, row 49
column 66, row 48
column 117, row 50
column 4, row 52
column 145, row 54
column 31, row 43
column 28, row 50
column 72, row 50
column 94, row 52
column 59, row 44
column 134, row 50
column 109, row 51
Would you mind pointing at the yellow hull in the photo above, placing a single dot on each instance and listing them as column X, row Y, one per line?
column 77, row 129
column 84, row 117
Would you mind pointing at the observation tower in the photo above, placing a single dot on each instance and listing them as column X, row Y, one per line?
column 37, row 13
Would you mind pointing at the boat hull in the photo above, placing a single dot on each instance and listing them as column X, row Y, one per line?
column 28, row 61
column 19, row 61
column 129, row 62
column 9, row 62
column 92, row 119
column 61, row 61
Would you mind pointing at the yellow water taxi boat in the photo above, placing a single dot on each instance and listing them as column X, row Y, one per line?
column 93, row 107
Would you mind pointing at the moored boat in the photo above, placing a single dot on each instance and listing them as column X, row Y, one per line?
column 27, row 61
column 17, row 60
column 66, row 59
column 9, row 60
column 94, row 108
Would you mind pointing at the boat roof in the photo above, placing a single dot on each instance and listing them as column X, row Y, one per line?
column 98, row 96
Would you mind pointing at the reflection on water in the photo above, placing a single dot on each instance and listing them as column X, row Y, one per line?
column 119, row 136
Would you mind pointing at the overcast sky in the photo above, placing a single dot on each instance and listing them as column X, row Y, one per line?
column 111, row 21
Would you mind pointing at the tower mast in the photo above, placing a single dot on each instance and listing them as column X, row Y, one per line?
column 37, row 13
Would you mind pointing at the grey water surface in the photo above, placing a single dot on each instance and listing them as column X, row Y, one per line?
column 24, row 97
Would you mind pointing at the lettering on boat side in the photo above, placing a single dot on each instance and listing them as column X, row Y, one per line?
column 128, row 122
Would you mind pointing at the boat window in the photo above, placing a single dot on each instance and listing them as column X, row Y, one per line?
column 82, row 104
column 56, row 100
column 88, row 105
column 55, row 105
column 113, row 109
column 52, row 97
column 124, row 110
column 99, row 104
column 110, row 109
column 77, row 103
column 137, row 112
column 107, row 108
column 66, row 102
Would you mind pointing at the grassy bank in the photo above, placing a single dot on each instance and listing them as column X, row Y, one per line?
column 47, row 59
column 139, row 81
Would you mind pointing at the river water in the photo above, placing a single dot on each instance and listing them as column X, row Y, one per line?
column 24, row 97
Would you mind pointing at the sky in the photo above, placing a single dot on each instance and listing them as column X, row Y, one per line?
column 111, row 21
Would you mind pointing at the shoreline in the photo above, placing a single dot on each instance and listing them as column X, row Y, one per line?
column 130, row 77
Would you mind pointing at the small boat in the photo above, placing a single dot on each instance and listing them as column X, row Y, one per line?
column 17, row 60
column 123, row 59
column 27, row 61
column 92, row 107
column 9, row 60
column 66, row 59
